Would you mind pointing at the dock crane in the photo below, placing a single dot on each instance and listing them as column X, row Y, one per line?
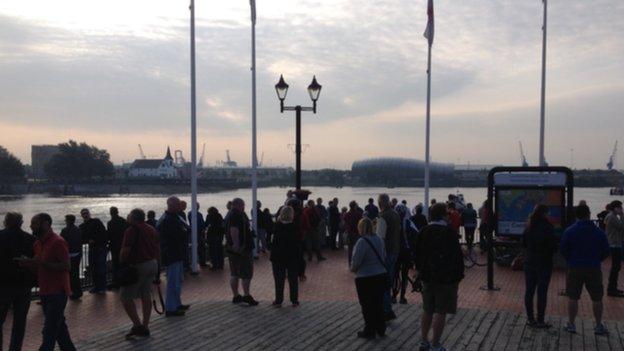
column 228, row 162
column 200, row 164
column 141, row 153
column 522, row 156
column 261, row 163
column 611, row 162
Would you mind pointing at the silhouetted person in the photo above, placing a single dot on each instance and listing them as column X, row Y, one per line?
column 239, row 247
column 71, row 233
column 201, row 236
column 371, row 209
column 94, row 233
column 285, row 255
column 215, row 229
column 15, row 282
column 389, row 229
column 614, row 223
column 151, row 218
column 115, row 227
column 334, row 223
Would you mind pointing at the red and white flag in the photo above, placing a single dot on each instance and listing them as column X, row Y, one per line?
column 429, row 31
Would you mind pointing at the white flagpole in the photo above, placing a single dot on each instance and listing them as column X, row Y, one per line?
column 428, row 132
column 194, row 265
column 542, row 159
column 254, row 153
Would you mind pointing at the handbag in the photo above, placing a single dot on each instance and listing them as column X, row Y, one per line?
column 128, row 274
column 388, row 280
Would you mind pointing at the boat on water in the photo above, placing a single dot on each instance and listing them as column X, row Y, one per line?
column 617, row 191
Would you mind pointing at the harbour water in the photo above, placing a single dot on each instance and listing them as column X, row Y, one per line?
column 272, row 198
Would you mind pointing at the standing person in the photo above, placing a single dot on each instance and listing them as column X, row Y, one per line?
column 454, row 217
column 419, row 219
column 73, row 236
column 268, row 226
column 285, row 254
column 239, row 247
column 115, row 227
column 614, row 223
column 333, row 214
column 140, row 249
column 94, row 233
column 394, row 202
column 469, row 221
column 351, row 219
column 301, row 226
column 52, row 265
column 371, row 279
column 602, row 215
column 485, row 225
column 405, row 258
column 214, row 236
column 173, row 239
column 201, row 238
column 312, row 235
column 321, row 210
column 371, row 209
column 584, row 246
column 440, row 264
column 389, row 229
column 342, row 234
column 151, row 218
column 17, row 282
column 540, row 245
column 261, row 237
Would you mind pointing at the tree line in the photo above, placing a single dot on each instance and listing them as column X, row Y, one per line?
column 73, row 162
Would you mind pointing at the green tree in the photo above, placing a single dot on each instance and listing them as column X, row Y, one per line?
column 11, row 168
column 79, row 162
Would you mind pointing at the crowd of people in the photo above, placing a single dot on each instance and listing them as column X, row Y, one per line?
column 384, row 240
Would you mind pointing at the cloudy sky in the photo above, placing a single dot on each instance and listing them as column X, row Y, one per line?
column 115, row 73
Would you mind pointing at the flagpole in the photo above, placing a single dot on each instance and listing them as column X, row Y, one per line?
column 542, row 159
column 254, row 153
column 194, row 211
column 427, row 133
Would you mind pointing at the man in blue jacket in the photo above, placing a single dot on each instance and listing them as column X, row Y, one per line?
column 584, row 247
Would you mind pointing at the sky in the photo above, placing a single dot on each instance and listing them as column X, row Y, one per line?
column 116, row 74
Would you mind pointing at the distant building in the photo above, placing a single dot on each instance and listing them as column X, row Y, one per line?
column 398, row 171
column 40, row 156
column 154, row 168
column 244, row 173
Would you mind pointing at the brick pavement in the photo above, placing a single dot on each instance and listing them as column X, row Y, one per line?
column 327, row 281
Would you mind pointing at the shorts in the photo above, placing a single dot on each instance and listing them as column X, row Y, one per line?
column 146, row 272
column 440, row 298
column 241, row 266
column 590, row 277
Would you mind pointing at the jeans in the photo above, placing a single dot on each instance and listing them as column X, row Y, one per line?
column 54, row 327
column 74, row 276
column 215, row 250
column 470, row 231
column 280, row 271
column 616, row 265
column 17, row 299
column 370, row 292
column 97, row 266
column 536, row 279
column 175, row 274
column 387, row 297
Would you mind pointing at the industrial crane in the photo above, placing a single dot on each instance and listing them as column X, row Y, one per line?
column 522, row 156
column 141, row 153
column 611, row 162
column 200, row 164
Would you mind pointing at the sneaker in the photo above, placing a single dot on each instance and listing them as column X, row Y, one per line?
column 184, row 307
column 249, row 300
column 134, row 331
column 143, row 331
column 531, row 323
column 177, row 313
column 424, row 346
column 601, row 330
column 570, row 328
column 237, row 299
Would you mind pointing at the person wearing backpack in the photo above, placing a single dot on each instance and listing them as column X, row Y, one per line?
column 17, row 282
column 313, row 234
column 440, row 265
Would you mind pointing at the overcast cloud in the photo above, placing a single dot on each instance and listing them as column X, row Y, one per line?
column 117, row 75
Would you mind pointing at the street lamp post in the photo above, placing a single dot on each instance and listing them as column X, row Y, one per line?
column 314, row 89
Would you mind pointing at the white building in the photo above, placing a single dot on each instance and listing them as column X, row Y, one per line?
column 154, row 168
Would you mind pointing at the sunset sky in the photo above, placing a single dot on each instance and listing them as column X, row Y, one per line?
column 116, row 74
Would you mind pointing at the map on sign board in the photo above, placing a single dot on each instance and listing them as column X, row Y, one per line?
column 514, row 206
